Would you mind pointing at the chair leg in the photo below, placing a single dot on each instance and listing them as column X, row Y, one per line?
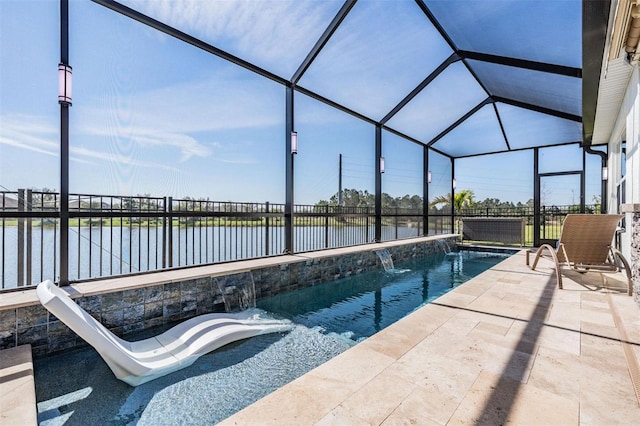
column 555, row 260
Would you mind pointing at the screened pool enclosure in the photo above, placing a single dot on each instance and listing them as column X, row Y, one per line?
column 201, row 132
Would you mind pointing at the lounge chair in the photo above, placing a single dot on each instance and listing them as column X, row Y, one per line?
column 585, row 246
column 139, row 362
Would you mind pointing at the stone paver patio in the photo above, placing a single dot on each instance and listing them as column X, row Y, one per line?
column 507, row 347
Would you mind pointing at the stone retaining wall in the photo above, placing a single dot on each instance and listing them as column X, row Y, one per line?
column 634, row 259
column 136, row 309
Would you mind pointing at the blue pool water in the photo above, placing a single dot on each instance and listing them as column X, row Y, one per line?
column 360, row 306
column 77, row 388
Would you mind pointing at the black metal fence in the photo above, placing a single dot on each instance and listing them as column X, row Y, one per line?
column 323, row 227
column 551, row 218
column 116, row 235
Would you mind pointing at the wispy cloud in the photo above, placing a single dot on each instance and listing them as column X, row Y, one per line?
column 37, row 134
column 178, row 121
column 120, row 159
column 183, row 117
column 152, row 138
column 30, row 133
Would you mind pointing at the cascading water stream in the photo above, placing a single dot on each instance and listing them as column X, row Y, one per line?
column 385, row 258
column 445, row 247
column 387, row 262
column 238, row 291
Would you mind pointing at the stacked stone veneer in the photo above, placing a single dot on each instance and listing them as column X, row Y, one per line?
column 137, row 309
column 634, row 259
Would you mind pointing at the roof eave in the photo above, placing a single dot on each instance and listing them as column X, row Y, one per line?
column 595, row 22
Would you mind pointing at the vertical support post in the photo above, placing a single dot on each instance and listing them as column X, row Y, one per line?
column 425, row 190
column 603, row 191
column 20, row 238
column 164, row 232
column 603, row 186
column 64, row 152
column 289, row 176
column 378, row 198
column 582, row 183
column 29, row 247
column 536, row 198
column 453, row 196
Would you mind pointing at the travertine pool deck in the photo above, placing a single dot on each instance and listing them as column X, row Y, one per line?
column 507, row 347
column 17, row 388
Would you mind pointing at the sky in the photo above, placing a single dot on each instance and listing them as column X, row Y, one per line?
column 152, row 115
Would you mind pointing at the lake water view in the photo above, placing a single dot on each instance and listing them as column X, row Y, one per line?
column 99, row 251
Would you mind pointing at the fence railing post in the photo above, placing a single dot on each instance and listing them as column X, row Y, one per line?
column 366, row 232
column 169, row 246
column 29, row 248
column 544, row 222
column 396, row 223
column 326, row 226
column 266, row 230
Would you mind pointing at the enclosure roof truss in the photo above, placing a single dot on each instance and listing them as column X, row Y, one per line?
column 509, row 66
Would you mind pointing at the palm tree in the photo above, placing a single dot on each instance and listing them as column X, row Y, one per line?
column 462, row 198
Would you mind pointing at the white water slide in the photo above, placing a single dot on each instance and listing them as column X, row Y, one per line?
column 139, row 362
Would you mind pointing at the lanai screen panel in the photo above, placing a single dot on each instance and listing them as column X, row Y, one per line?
column 29, row 112
column 403, row 176
column 324, row 135
column 558, row 92
column 383, row 50
column 274, row 35
column 525, row 128
column 153, row 115
column 571, row 155
column 446, row 99
column 507, row 176
column 479, row 134
column 541, row 31
column 380, row 53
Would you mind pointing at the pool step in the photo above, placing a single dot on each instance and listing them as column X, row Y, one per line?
column 17, row 387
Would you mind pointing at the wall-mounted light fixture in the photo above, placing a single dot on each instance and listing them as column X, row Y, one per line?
column 453, row 184
column 429, row 176
column 294, row 142
column 64, row 84
column 381, row 164
column 605, row 173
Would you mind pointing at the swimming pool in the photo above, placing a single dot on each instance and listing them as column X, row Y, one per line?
column 76, row 387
